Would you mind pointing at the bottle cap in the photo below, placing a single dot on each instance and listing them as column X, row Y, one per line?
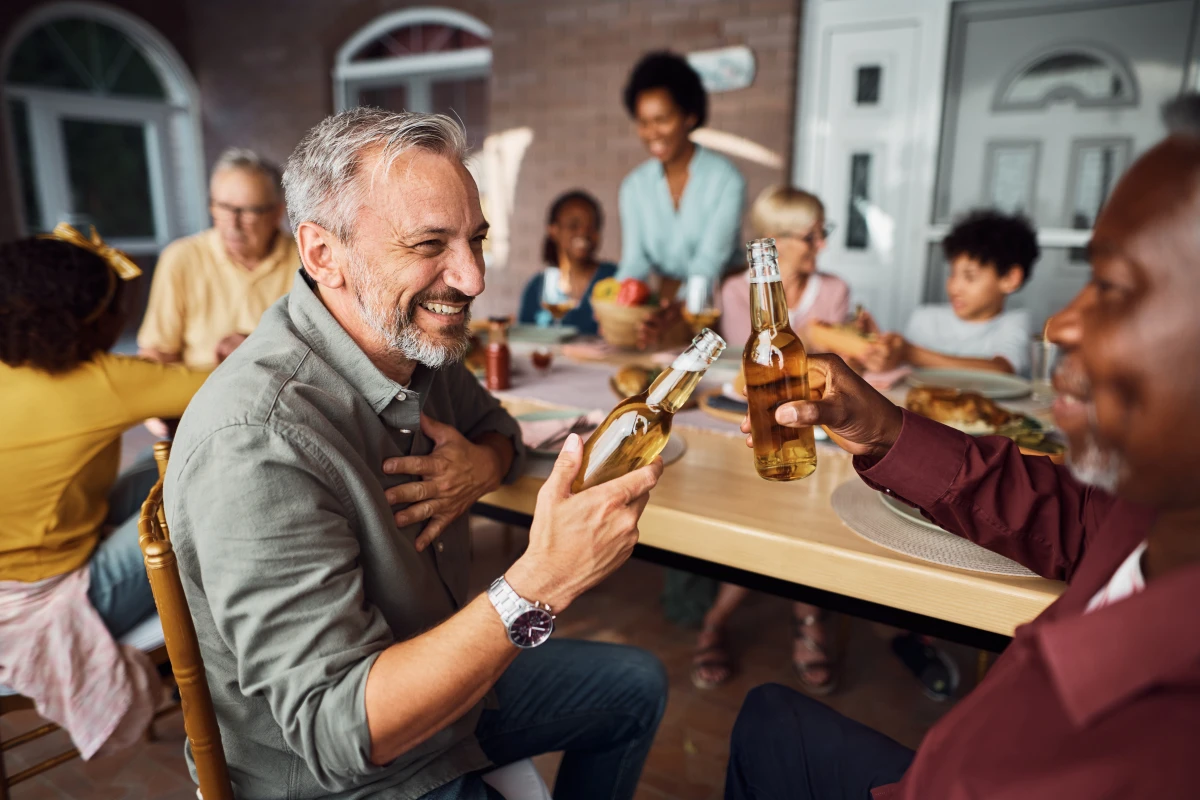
column 763, row 260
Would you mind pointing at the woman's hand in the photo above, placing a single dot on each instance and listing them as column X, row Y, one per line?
column 651, row 331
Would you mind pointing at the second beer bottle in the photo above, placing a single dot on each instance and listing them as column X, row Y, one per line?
column 776, row 370
column 638, row 428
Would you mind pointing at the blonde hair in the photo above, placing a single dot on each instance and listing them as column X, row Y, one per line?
column 783, row 209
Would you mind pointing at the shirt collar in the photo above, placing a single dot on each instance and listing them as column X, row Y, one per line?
column 1102, row 659
column 329, row 340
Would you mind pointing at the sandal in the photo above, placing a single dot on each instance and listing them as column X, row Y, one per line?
column 803, row 671
column 712, row 658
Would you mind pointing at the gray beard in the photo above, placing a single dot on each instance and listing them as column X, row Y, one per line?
column 396, row 327
column 1094, row 465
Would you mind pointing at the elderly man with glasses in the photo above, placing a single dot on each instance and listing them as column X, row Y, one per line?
column 210, row 288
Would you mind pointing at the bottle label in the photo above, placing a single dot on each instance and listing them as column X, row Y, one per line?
column 690, row 360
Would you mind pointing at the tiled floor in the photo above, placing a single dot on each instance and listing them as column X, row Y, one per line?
column 688, row 758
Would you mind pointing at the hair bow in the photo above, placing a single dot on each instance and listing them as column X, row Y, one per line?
column 119, row 264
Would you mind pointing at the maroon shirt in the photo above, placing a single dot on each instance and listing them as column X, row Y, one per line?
column 1099, row 705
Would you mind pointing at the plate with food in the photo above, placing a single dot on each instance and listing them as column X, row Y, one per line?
column 993, row 385
column 971, row 412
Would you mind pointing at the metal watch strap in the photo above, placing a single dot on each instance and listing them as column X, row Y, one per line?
column 508, row 604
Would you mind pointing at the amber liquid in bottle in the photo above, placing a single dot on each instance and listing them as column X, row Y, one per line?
column 637, row 430
column 776, row 369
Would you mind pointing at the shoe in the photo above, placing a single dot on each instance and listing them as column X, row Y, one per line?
column 936, row 671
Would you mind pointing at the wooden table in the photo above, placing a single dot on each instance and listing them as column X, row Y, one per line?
column 712, row 514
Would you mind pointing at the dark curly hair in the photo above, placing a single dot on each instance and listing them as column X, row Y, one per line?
column 995, row 240
column 550, row 249
column 666, row 70
column 48, row 291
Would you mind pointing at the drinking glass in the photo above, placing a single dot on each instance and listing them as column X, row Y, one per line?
column 555, row 298
column 1043, row 359
column 699, row 305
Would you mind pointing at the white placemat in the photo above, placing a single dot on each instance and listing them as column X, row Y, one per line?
column 860, row 508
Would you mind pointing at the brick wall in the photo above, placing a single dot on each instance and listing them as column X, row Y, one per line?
column 264, row 72
column 560, row 65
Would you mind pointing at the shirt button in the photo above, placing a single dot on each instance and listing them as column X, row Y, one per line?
column 405, row 431
column 441, row 547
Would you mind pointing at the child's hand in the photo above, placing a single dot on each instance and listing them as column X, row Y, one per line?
column 865, row 322
column 887, row 353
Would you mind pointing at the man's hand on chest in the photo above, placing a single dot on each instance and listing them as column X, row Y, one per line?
column 451, row 478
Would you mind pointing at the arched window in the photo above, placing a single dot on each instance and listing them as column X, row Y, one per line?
column 419, row 59
column 1087, row 75
column 100, row 115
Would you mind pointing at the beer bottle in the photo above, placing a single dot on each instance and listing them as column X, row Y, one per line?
column 637, row 430
column 776, row 370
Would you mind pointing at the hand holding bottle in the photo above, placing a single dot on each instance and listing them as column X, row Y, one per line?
column 860, row 419
column 577, row 540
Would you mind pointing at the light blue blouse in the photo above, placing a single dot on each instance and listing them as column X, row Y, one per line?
column 700, row 238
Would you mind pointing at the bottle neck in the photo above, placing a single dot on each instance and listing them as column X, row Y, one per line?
column 671, row 390
column 768, row 305
column 674, row 386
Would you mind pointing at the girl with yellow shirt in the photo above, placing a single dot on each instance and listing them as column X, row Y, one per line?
column 64, row 403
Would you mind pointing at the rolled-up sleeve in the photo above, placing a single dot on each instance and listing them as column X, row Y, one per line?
column 277, row 559
column 477, row 412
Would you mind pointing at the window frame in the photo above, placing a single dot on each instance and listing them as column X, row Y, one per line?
column 172, row 129
column 416, row 72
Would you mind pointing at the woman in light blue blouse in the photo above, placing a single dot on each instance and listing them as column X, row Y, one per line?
column 681, row 211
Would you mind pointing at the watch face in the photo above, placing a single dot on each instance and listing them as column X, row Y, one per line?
column 531, row 628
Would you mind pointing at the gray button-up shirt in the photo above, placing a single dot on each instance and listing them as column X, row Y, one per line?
column 295, row 571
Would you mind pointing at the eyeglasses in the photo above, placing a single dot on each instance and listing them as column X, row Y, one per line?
column 812, row 237
column 250, row 212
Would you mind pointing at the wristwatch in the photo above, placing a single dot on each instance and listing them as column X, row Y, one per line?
column 528, row 624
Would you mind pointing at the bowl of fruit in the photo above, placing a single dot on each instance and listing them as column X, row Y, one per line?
column 622, row 306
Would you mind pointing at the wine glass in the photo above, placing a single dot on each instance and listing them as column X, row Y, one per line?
column 699, row 305
column 555, row 298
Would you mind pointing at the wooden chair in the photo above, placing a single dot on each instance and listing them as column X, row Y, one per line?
column 518, row 781
column 146, row 636
column 199, row 716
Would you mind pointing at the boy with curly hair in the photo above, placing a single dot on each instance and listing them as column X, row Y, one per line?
column 991, row 256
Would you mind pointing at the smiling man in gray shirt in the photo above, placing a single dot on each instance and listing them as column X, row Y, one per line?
column 343, row 652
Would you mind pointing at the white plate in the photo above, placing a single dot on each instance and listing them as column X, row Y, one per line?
column 994, row 385
column 909, row 513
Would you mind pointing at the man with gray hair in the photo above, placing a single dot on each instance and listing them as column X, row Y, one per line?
column 210, row 288
column 317, row 495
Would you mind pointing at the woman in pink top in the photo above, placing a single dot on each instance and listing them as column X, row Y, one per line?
column 796, row 220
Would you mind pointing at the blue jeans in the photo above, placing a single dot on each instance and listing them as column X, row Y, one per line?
column 119, row 589
column 599, row 703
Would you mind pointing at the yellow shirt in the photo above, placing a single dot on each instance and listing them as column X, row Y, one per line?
column 60, row 446
column 199, row 296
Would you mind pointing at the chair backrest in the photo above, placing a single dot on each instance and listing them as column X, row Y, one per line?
column 199, row 717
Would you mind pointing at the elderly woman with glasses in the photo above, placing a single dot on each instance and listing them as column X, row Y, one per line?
column 796, row 220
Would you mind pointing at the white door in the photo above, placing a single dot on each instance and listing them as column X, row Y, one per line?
column 860, row 170
column 1047, row 103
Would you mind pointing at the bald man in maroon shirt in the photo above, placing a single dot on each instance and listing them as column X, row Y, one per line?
column 1099, row 697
